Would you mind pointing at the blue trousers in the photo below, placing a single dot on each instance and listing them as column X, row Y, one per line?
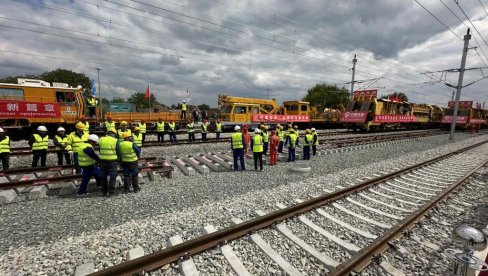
column 172, row 137
column 287, row 140
column 88, row 172
column 239, row 154
column 76, row 163
column 306, row 152
column 191, row 136
column 280, row 147
column 217, row 135
column 291, row 154
column 204, row 136
column 265, row 148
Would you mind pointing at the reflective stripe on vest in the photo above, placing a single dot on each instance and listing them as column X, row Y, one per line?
column 308, row 139
column 293, row 140
column 257, row 143
column 120, row 133
column 137, row 139
column 108, row 144
column 218, row 127
column 142, row 127
column 40, row 143
column 159, row 126
column 237, row 140
column 315, row 135
column 5, row 145
column 83, row 159
column 75, row 141
column 127, row 152
column 109, row 124
column 63, row 141
column 190, row 128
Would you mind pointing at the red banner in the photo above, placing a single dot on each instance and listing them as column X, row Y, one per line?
column 447, row 119
column 29, row 110
column 364, row 94
column 462, row 104
column 271, row 118
column 394, row 119
column 353, row 117
column 477, row 121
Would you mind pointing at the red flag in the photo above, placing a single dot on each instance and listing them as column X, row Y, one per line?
column 148, row 93
column 399, row 99
column 392, row 98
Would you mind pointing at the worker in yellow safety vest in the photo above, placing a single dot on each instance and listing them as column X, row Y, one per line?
column 75, row 138
column 308, row 140
column 204, row 128
column 123, row 128
column 86, row 123
column 257, row 149
column 39, row 143
column 190, row 128
column 91, row 104
column 293, row 144
column 160, row 130
column 183, row 110
column 137, row 137
column 172, row 131
column 109, row 155
column 237, row 146
column 129, row 154
column 281, row 135
column 287, row 134
column 315, row 141
column 62, row 146
column 265, row 135
column 143, row 128
column 4, row 150
column 218, row 129
column 88, row 160
column 108, row 124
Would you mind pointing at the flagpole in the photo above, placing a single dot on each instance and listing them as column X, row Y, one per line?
column 149, row 98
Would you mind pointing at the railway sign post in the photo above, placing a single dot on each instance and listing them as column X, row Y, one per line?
column 467, row 37
column 354, row 60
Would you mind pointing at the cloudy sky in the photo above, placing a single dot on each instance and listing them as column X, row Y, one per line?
column 248, row 47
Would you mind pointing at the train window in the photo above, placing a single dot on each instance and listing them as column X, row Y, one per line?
column 255, row 110
column 293, row 107
column 227, row 109
column 303, row 107
column 65, row 97
column 239, row 110
column 365, row 106
column 11, row 94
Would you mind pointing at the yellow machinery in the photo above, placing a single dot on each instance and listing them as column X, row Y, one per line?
column 239, row 109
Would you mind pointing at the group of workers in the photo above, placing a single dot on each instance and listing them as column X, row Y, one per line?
column 275, row 140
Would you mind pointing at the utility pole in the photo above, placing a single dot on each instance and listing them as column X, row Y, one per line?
column 99, row 93
column 354, row 60
column 452, row 95
column 267, row 93
column 467, row 37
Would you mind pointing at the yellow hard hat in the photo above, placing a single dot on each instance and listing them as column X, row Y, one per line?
column 266, row 127
column 123, row 123
column 137, row 129
column 112, row 130
column 295, row 127
column 80, row 126
column 125, row 134
column 281, row 127
column 307, row 131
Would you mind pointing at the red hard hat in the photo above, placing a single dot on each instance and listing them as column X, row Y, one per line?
column 109, row 118
column 83, row 117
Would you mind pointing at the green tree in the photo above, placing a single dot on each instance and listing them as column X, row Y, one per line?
column 203, row 107
column 140, row 101
column 324, row 95
column 118, row 100
column 396, row 94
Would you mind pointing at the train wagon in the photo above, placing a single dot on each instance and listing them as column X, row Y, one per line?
column 30, row 103
column 467, row 115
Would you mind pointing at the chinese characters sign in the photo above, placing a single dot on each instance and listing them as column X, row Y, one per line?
column 279, row 118
column 394, row 119
column 462, row 104
column 477, row 121
column 364, row 95
column 447, row 119
column 354, row 117
column 29, row 110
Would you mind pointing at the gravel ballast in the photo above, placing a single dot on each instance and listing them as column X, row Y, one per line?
column 62, row 233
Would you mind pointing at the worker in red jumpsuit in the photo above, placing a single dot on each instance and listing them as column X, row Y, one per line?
column 247, row 139
column 274, row 142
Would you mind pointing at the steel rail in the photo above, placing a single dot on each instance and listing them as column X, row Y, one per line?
column 166, row 256
column 365, row 256
column 53, row 179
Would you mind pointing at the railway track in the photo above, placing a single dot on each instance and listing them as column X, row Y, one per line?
column 334, row 142
column 381, row 208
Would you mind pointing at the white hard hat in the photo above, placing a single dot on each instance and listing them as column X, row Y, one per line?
column 61, row 129
column 1, row 130
column 93, row 137
column 313, row 129
column 184, row 101
column 236, row 128
column 257, row 130
column 41, row 128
